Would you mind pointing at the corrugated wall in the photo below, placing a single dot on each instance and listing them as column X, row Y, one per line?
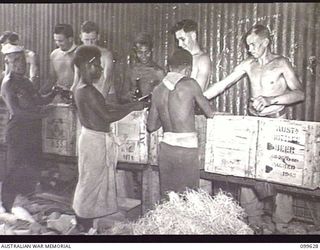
column 295, row 27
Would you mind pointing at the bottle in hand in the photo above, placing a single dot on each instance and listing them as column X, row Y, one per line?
column 137, row 92
column 67, row 95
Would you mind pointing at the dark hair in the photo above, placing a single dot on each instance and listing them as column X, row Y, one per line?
column 64, row 29
column 180, row 59
column 186, row 25
column 11, row 36
column 259, row 30
column 144, row 39
column 89, row 26
column 85, row 53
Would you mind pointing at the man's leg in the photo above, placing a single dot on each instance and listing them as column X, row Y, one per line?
column 283, row 212
column 165, row 165
column 252, row 206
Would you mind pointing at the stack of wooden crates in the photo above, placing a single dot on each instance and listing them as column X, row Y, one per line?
column 276, row 150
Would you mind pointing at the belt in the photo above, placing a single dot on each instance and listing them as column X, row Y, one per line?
column 279, row 114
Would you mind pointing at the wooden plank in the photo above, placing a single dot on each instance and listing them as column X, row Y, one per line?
column 251, row 182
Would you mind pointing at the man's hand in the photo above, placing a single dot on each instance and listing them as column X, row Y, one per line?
column 57, row 90
column 137, row 106
column 261, row 102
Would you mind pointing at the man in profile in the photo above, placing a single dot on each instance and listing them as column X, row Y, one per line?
column 185, row 32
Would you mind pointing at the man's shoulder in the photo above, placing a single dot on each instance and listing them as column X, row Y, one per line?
column 187, row 82
column 246, row 64
column 29, row 53
column 56, row 52
column 105, row 52
column 280, row 59
column 7, row 82
column 204, row 58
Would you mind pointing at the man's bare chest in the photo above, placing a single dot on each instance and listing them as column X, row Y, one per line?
column 266, row 76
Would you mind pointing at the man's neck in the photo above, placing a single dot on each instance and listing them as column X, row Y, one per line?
column 195, row 50
column 16, row 75
column 265, row 58
column 69, row 49
column 85, row 81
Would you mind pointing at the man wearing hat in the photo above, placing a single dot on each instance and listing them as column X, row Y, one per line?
column 172, row 107
column 31, row 58
column 143, row 74
column 23, row 133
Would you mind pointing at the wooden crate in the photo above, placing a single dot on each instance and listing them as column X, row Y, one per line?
column 201, row 128
column 134, row 138
column 289, row 152
column 59, row 131
column 155, row 139
column 230, row 147
column 4, row 118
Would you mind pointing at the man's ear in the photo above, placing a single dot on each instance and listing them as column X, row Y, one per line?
column 188, row 71
column 70, row 39
column 266, row 42
column 193, row 35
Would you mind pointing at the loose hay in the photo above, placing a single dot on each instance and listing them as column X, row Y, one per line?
column 191, row 212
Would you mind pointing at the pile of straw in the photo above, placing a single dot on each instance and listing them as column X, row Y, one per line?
column 191, row 212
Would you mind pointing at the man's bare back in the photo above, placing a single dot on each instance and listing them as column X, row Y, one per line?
column 176, row 108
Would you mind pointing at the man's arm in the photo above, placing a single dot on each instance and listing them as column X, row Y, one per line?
column 126, row 88
column 51, row 81
column 107, row 59
column 111, row 113
column 43, row 99
column 200, row 99
column 293, row 94
column 34, row 70
column 227, row 82
column 12, row 104
column 75, row 79
column 153, row 121
column 204, row 71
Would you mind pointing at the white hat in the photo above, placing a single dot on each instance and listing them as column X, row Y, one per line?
column 10, row 48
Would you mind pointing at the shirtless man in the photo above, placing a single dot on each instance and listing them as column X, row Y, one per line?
column 95, row 194
column 31, row 58
column 23, row 132
column 186, row 33
column 172, row 107
column 143, row 73
column 61, row 67
column 90, row 36
column 273, row 85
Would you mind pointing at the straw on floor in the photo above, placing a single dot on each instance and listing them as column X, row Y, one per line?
column 191, row 212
